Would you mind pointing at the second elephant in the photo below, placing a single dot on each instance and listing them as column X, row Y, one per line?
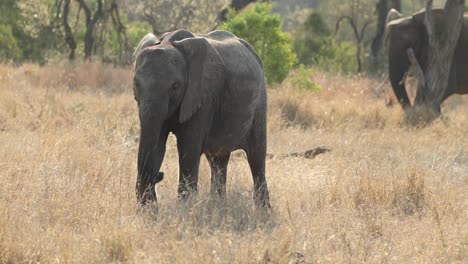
column 403, row 33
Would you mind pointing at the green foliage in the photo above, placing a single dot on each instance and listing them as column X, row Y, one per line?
column 136, row 30
column 315, row 45
column 262, row 30
column 316, row 25
column 303, row 81
column 25, row 34
column 8, row 45
column 8, row 23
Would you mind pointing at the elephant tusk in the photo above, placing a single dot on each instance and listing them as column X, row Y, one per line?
column 403, row 79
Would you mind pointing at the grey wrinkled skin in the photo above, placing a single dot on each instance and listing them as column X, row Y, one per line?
column 403, row 33
column 208, row 90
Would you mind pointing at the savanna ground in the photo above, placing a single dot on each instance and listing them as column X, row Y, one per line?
column 386, row 193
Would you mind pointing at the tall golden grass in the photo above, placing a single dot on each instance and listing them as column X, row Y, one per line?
column 386, row 193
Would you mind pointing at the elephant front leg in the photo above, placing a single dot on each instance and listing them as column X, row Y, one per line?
column 398, row 68
column 189, row 162
column 218, row 165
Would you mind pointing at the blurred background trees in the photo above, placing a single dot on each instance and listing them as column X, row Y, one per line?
column 343, row 36
column 262, row 29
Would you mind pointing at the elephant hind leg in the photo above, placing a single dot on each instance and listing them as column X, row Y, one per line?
column 218, row 164
column 256, row 155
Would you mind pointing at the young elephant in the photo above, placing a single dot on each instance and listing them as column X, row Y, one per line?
column 208, row 90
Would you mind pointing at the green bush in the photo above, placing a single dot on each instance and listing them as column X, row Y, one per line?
column 262, row 30
column 136, row 30
column 315, row 45
column 8, row 46
column 302, row 80
column 25, row 33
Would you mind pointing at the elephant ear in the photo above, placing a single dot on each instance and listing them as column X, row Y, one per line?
column 393, row 14
column 179, row 34
column 148, row 40
column 206, row 74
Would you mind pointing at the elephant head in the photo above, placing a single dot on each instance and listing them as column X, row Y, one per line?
column 148, row 40
column 403, row 33
column 172, row 79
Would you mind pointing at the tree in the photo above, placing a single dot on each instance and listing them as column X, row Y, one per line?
column 26, row 33
column 356, row 15
column 8, row 46
column 96, row 16
column 69, row 38
column 262, row 30
column 235, row 5
column 91, row 19
column 382, row 8
column 434, row 80
column 169, row 15
column 315, row 44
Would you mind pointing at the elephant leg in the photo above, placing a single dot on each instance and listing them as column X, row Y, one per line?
column 398, row 66
column 189, row 162
column 452, row 83
column 218, row 166
column 256, row 154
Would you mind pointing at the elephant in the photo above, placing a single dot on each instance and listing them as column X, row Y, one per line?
column 403, row 33
column 209, row 91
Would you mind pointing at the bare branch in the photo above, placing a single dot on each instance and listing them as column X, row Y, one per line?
column 363, row 30
column 58, row 7
column 351, row 24
column 77, row 17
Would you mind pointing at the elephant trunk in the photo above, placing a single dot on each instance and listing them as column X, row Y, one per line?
column 398, row 67
column 153, row 137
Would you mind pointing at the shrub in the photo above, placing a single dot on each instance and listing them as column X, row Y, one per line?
column 135, row 31
column 262, row 30
column 315, row 45
column 303, row 81
column 8, row 45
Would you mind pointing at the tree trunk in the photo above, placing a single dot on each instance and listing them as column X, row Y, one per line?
column 91, row 21
column 69, row 39
column 382, row 8
column 434, row 81
column 358, row 58
column 358, row 35
column 121, row 34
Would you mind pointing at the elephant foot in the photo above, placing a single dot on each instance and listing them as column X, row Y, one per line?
column 262, row 199
column 146, row 191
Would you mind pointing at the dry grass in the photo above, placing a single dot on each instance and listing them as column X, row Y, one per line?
column 385, row 194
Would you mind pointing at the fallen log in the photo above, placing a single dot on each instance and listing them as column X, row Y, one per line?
column 308, row 154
